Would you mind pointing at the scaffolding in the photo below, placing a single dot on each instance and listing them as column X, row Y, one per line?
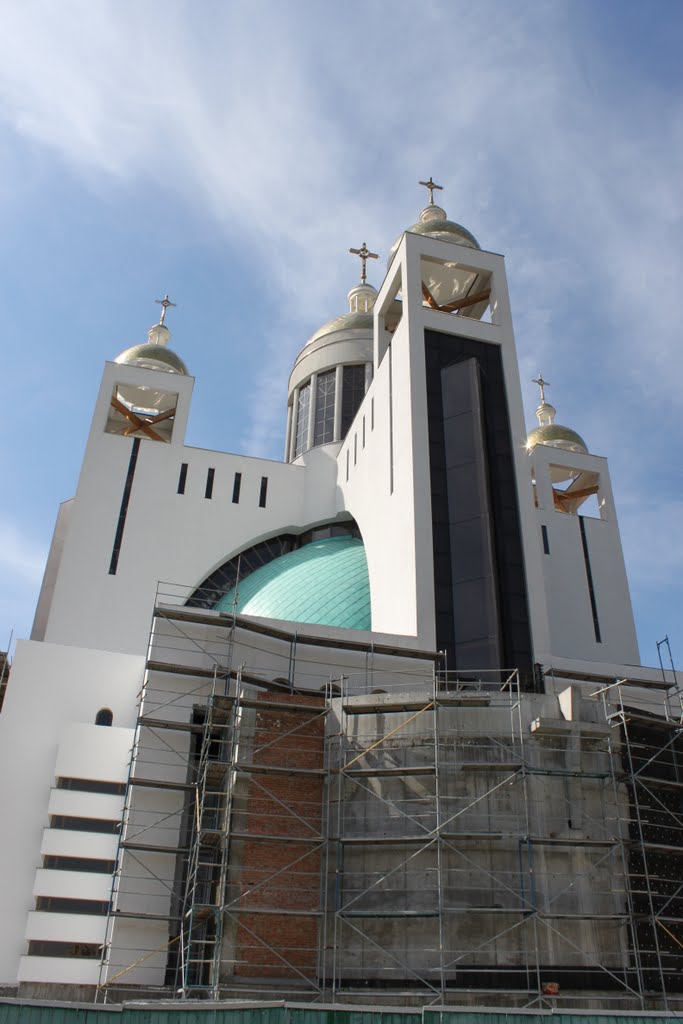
column 359, row 825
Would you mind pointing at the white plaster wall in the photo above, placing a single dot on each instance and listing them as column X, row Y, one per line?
column 386, row 516
column 566, row 591
column 88, row 751
column 178, row 539
column 82, row 885
column 65, row 843
column 51, row 687
column 612, row 596
column 65, row 927
column 85, row 805
column 54, row 558
column 59, row 970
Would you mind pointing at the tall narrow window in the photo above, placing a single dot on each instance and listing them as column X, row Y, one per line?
column 301, row 436
column 263, row 493
column 182, row 478
column 236, row 487
column 324, row 408
column 208, row 493
column 353, row 390
column 589, row 581
column 123, row 512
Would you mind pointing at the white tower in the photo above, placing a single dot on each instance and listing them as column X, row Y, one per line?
column 585, row 587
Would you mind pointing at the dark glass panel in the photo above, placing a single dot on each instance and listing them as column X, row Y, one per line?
column 353, row 392
column 64, row 905
column 324, row 408
column 54, row 862
column 91, row 786
column 84, row 824
column 86, row 950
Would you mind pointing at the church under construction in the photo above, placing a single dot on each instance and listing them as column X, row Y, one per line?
column 366, row 727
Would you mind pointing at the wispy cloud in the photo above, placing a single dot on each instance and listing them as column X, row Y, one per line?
column 298, row 133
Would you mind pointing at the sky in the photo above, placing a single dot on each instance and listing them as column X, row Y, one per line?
column 230, row 154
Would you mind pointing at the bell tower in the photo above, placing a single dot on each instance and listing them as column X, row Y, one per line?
column 585, row 586
column 143, row 409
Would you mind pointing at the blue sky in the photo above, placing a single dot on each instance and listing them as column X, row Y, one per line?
column 230, row 154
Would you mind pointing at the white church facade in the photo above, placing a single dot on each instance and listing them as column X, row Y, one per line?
column 367, row 724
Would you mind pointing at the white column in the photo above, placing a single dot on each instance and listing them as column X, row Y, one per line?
column 368, row 375
column 292, row 433
column 288, row 431
column 311, row 409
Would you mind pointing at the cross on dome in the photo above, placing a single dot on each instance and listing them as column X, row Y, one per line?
column 543, row 384
column 164, row 303
column 431, row 185
column 365, row 255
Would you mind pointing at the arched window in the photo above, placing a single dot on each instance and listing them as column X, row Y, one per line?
column 104, row 717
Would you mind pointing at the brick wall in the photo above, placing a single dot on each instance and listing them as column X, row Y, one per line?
column 279, row 874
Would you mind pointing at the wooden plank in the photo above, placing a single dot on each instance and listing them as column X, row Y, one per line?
column 135, row 419
column 429, row 298
column 470, row 300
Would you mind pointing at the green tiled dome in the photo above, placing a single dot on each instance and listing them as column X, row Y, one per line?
column 324, row 583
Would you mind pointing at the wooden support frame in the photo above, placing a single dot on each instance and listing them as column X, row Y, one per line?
column 143, row 423
column 454, row 307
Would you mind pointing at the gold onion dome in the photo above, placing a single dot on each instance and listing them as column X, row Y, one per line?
column 433, row 222
column 551, row 433
column 362, row 298
column 154, row 353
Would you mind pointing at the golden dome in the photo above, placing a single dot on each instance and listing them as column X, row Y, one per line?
column 548, row 431
column 153, row 354
column 433, row 222
column 557, row 436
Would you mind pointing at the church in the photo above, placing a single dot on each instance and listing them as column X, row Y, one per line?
column 363, row 727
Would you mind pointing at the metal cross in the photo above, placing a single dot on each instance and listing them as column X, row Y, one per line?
column 543, row 384
column 164, row 303
column 431, row 185
column 365, row 255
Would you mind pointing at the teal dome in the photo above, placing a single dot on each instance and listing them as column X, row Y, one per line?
column 324, row 583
